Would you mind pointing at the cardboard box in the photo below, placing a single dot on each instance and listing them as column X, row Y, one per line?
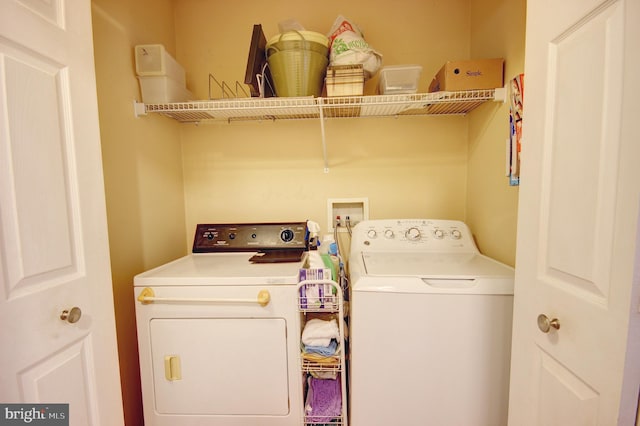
column 469, row 75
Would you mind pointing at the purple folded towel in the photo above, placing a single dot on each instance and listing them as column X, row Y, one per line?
column 324, row 399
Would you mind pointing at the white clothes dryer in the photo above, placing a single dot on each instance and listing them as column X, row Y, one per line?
column 218, row 329
column 430, row 326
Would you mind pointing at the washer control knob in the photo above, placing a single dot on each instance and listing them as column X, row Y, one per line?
column 456, row 235
column 439, row 234
column 371, row 233
column 413, row 234
column 389, row 234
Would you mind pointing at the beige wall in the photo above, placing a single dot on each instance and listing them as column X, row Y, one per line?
column 408, row 167
column 162, row 178
column 497, row 30
column 268, row 171
column 142, row 168
column 213, row 36
column 438, row 167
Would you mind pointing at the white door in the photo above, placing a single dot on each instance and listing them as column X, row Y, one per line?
column 578, row 217
column 53, row 238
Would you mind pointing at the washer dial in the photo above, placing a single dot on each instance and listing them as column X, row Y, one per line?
column 413, row 234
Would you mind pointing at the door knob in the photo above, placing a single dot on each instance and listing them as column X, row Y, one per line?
column 71, row 315
column 545, row 324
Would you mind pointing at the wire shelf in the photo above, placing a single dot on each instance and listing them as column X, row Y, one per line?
column 324, row 421
column 330, row 305
column 242, row 109
column 320, row 367
column 323, row 304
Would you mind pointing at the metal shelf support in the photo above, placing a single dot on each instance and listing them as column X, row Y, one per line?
column 324, row 139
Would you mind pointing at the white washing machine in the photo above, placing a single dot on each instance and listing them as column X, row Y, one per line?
column 430, row 326
column 219, row 332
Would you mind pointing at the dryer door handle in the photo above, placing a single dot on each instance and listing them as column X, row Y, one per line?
column 147, row 295
column 172, row 368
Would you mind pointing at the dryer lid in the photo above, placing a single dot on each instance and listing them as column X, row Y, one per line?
column 434, row 265
column 215, row 269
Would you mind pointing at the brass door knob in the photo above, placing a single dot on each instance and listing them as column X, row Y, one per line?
column 545, row 324
column 71, row 315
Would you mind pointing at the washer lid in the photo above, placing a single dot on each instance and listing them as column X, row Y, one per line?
column 434, row 265
column 220, row 269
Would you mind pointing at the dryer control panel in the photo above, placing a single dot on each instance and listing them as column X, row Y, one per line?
column 413, row 235
column 211, row 238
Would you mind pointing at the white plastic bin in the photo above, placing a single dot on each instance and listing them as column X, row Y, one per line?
column 153, row 60
column 399, row 79
column 161, row 90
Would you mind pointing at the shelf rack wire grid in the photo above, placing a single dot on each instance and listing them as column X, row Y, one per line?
column 438, row 103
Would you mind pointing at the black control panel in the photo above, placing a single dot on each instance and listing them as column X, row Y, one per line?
column 212, row 238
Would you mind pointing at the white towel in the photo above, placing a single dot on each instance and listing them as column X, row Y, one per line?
column 319, row 332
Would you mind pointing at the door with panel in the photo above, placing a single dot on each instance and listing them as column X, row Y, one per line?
column 56, row 304
column 576, row 300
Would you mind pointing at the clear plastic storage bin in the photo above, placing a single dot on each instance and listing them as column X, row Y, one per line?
column 399, row 79
column 161, row 90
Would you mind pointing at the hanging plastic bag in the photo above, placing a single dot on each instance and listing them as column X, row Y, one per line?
column 348, row 47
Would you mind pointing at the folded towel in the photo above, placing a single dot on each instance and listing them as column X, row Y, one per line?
column 324, row 400
column 324, row 374
column 319, row 332
column 322, row 350
column 321, row 359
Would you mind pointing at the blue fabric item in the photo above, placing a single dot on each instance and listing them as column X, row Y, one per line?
column 323, row 350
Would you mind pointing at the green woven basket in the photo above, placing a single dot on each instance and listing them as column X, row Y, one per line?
column 299, row 40
column 298, row 72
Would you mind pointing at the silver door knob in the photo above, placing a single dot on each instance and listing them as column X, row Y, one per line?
column 545, row 324
column 71, row 315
